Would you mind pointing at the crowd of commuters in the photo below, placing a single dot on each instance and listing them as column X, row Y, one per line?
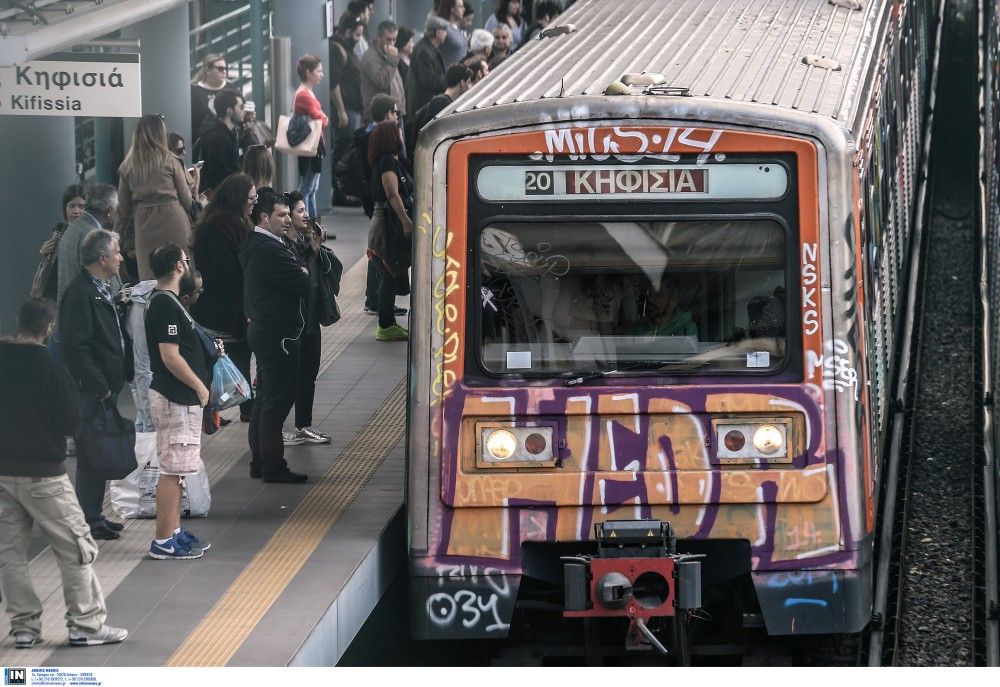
column 147, row 284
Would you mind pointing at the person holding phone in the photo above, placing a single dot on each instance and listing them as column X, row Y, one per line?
column 155, row 193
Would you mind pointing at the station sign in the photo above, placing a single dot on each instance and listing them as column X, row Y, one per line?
column 73, row 85
column 752, row 181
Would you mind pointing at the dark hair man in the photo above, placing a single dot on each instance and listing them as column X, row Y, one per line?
column 276, row 284
column 363, row 10
column 546, row 12
column 380, row 69
column 182, row 374
column 95, row 349
column 38, row 408
column 218, row 140
column 345, row 92
column 426, row 78
column 458, row 79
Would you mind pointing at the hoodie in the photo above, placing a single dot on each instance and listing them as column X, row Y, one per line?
column 219, row 147
column 39, row 407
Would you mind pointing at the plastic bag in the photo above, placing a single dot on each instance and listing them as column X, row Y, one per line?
column 135, row 495
column 229, row 386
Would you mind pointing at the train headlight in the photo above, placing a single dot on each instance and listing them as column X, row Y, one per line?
column 768, row 439
column 504, row 445
column 501, row 444
column 749, row 441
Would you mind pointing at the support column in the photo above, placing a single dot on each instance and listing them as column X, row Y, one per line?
column 38, row 163
column 304, row 21
column 166, row 70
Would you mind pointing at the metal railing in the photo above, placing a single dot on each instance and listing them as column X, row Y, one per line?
column 231, row 36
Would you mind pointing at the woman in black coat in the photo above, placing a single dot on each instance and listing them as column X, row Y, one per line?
column 220, row 232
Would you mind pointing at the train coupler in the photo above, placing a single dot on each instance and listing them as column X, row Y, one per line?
column 636, row 574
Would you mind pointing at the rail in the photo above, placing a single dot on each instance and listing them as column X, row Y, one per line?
column 232, row 35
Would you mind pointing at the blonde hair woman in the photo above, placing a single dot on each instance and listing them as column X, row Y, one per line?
column 259, row 165
column 207, row 83
column 154, row 192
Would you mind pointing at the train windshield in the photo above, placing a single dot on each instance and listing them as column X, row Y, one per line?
column 664, row 297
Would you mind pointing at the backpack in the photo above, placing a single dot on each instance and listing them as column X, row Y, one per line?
column 352, row 164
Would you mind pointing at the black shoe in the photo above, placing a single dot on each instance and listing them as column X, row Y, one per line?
column 223, row 422
column 398, row 312
column 111, row 525
column 287, row 477
column 102, row 531
column 254, row 472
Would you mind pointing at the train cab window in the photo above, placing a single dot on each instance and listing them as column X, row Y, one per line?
column 671, row 296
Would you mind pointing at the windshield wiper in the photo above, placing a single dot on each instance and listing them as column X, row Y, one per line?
column 645, row 365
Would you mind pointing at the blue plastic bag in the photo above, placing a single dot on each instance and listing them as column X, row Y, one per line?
column 229, row 386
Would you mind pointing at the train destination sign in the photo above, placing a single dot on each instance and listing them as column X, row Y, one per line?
column 754, row 181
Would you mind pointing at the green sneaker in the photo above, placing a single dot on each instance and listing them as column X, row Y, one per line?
column 393, row 333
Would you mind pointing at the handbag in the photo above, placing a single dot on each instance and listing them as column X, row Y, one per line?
column 256, row 134
column 307, row 147
column 106, row 442
column 331, row 270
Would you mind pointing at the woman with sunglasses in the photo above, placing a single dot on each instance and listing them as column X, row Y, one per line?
column 206, row 84
column 154, row 193
column 306, row 240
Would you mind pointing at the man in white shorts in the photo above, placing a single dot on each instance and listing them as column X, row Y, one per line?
column 182, row 374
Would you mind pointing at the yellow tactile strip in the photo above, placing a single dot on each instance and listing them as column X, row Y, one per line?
column 221, row 633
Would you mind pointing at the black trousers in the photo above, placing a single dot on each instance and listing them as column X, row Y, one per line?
column 371, row 287
column 386, row 297
column 277, row 351
column 305, row 390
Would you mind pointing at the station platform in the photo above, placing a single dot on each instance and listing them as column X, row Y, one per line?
column 294, row 570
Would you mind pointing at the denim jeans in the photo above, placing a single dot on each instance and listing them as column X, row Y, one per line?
column 308, row 186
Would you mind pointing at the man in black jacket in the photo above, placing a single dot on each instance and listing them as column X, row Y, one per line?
column 95, row 349
column 37, row 410
column 218, row 141
column 276, row 284
column 426, row 78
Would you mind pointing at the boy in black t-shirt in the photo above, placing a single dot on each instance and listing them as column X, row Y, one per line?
column 179, row 390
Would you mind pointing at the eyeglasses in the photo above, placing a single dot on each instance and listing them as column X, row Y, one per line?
column 253, row 198
column 219, row 67
column 187, row 261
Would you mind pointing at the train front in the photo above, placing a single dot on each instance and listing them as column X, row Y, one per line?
column 628, row 325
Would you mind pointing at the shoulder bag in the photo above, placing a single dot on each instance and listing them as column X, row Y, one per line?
column 331, row 270
column 287, row 137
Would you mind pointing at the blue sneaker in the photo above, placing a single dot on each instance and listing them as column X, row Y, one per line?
column 173, row 550
column 192, row 542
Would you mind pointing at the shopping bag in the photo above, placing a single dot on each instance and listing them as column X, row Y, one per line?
column 135, row 495
column 308, row 147
column 196, row 497
column 106, row 442
column 229, row 386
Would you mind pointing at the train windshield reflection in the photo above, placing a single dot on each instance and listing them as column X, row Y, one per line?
column 680, row 296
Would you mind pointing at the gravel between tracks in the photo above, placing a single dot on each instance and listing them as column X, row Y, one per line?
column 936, row 623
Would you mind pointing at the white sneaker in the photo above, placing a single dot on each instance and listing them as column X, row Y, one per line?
column 310, row 436
column 25, row 639
column 292, row 438
column 106, row 635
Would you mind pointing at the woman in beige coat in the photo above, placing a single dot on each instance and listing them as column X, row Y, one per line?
column 154, row 193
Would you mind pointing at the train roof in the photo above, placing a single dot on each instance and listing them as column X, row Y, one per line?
column 814, row 56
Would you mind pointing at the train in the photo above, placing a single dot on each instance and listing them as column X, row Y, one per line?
column 661, row 258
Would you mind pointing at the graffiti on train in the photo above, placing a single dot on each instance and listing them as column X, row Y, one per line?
column 480, row 605
column 629, row 144
column 839, row 371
